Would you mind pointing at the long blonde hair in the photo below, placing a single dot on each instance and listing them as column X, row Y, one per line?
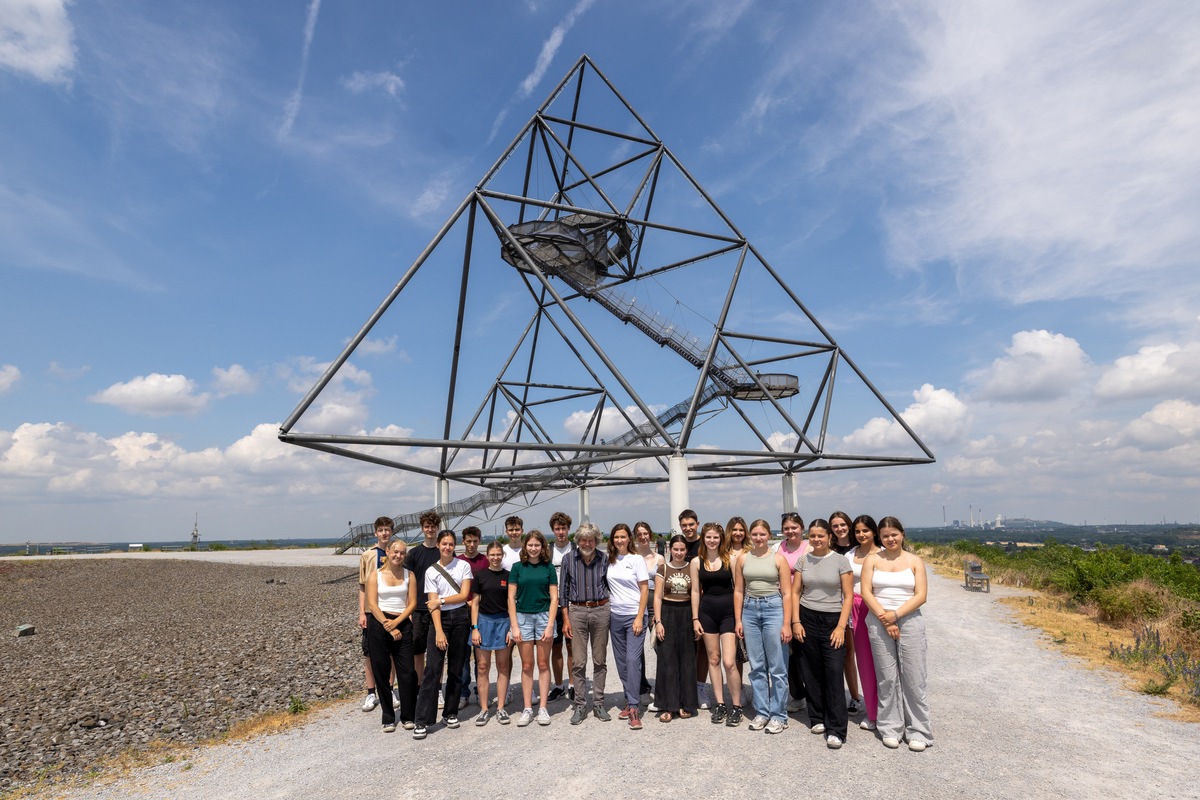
column 722, row 548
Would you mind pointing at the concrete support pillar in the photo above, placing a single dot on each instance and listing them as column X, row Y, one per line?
column 441, row 492
column 585, row 509
column 789, row 493
column 677, row 472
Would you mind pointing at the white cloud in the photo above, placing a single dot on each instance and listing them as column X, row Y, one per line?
column 172, row 80
column 1039, row 365
column 292, row 108
column 612, row 424
column 374, row 347
column 1051, row 150
column 37, row 38
column 154, row 395
column 551, row 45
column 68, row 373
column 389, row 82
column 1166, row 425
column 9, row 375
column 937, row 415
column 341, row 407
column 1154, row 371
column 235, row 380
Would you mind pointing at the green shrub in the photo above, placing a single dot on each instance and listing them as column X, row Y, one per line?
column 217, row 546
column 1130, row 602
column 296, row 705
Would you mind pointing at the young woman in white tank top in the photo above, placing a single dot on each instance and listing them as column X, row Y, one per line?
column 894, row 589
column 390, row 602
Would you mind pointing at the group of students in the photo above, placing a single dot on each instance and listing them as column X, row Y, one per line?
column 840, row 604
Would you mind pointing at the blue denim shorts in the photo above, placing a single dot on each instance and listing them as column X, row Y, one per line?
column 493, row 629
column 532, row 626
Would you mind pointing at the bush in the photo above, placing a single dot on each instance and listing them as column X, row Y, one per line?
column 1130, row 602
column 217, row 546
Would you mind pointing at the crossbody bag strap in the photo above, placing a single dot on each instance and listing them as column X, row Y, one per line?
column 438, row 566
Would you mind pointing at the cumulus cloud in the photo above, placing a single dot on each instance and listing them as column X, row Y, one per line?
column 341, row 407
column 1154, row 370
column 154, row 395
column 9, row 375
column 373, row 347
column 235, row 380
column 1039, row 365
column 63, row 459
column 612, row 423
column 1167, row 425
column 37, row 38
column 389, row 82
column 936, row 415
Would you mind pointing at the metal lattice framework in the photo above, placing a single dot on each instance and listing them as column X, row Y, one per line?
column 605, row 236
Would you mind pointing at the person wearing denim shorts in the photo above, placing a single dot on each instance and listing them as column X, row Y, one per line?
column 489, row 632
column 532, row 603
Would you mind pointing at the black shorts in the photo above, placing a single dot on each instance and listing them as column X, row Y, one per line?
column 558, row 625
column 716, row 613
column 422, row 625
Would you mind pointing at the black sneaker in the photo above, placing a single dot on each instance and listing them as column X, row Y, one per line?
column 735, row 717
column 555, row 693
column 719, row 713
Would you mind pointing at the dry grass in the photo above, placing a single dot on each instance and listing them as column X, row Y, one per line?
column 1079, row 631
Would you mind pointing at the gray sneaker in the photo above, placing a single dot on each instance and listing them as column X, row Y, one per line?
column 525, row 718
column 579, row 716
column 758, row 723
column 483, row 718
column 502, row 717
column 601, row 714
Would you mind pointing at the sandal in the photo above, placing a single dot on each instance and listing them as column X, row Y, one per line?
column 685, row 714
column 665, row 716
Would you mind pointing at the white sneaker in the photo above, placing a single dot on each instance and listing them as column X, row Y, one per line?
column 794, row 705
column 818, row 729
column 833, row 742
column 758, row 723
column 890, row 742
column 370, row 702
column 543, row 717
column 441, row 699
column 916, row 746
column 525, row 718
column 867, row 725
column 775, row 726
column 652, row 707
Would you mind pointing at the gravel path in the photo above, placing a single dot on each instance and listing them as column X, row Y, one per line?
column 1012, row 719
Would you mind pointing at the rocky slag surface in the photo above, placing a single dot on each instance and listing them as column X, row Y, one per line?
column 129, row 652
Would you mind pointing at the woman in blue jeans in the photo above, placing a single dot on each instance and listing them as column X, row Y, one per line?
column 628, row 592
column 762, row 587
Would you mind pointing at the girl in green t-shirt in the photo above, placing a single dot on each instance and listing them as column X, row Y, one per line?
column 532, row 604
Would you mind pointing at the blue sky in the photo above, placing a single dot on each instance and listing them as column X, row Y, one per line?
column 993, row 209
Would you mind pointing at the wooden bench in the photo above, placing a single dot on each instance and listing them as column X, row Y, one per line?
column 975, row 578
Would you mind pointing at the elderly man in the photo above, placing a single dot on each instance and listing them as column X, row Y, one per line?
column 583, row 592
